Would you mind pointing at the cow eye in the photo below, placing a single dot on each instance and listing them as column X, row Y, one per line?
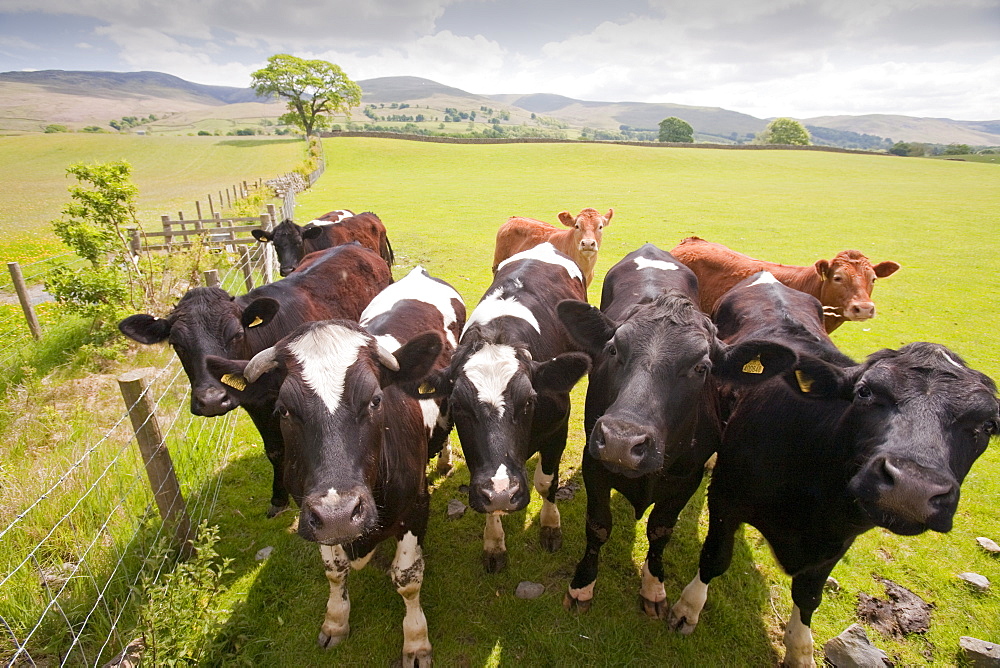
column 701, row 368
column 376, row 401
column 612, row 349
column 282, row 411
column 864, row 392
column 991, row 427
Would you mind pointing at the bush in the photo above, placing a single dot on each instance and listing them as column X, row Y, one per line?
column 55, row 128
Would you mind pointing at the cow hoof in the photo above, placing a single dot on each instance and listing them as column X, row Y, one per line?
column 327, row 641
column 551, row 538
column 654, row 609
column 443, row 466
column 421, row 659
column 494, row 562
column 274, row 511
column 574, row 604
column 680, row 623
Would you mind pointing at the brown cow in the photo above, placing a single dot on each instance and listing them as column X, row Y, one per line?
column 581, row 241
column 843, row 285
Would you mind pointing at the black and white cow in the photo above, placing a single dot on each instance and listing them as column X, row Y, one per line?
column 414, row 304
column 654, row 353
column 509, row 383
column 355, row 452
column 817, row 457
column 339, row 283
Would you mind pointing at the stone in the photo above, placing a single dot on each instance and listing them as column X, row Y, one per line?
column 455, row 509
column 979, row 653
column 988, row 545
column 852, row 649
column 980, row 582
column 529, row 590
column 832, row 584
column 263, row 553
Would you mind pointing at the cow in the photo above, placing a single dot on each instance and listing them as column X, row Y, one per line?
column 509, row 384
column 843, row 285
column 292, row 242
column 654, row 353
column 580, row 242
column 356, row 449
column 426, row 302
column 817, row 457
column 338, row 283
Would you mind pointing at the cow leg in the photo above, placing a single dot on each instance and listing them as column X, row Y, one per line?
column 546, row 485
column 807, row 592
column 494, row 547
column 444, row 459
column 336, row 625
column 274, row 445
column 716, row 555
column 407, row 574
column 598, row 530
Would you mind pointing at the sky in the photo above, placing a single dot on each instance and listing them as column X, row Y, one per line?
column 767, row 58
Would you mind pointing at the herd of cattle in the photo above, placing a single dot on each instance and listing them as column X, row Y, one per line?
column 354, row 381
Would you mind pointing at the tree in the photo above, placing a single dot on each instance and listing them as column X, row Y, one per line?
column 313, row 88
column 785, row 131
column 676, row 129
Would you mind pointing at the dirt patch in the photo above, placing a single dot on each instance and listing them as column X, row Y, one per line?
column 902, row 612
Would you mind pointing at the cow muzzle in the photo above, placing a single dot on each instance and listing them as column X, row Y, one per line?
column 333, row 518
column 625, row 447
column 211, row 401
column 504, row 492
column 588, row 246
column 859, row 311
column 905, row 497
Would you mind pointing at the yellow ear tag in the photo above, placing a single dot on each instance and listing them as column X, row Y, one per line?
column 805, row 382
column 753, row 366
column 235, row 381
column 426, row 388
column 256, row 322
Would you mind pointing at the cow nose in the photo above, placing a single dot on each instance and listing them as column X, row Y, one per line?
column 588, row 244
column 285, row 270
column 860, row 311
column 332, row 518
column 915, row 493
column 488, row 498
column 211, row 401
column 625, row 446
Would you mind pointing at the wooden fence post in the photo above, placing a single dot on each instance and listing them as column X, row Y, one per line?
column 211, row 207
column 134, row 387
column 168, row 237
column 25, row 299
column 270, row 259
column 246, row 266
column 211, row 277
column 197, row 206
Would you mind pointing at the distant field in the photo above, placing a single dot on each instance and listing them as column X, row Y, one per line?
column 170, row 172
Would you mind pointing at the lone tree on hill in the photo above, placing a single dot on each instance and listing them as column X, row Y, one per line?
column 784, row 131
column 676, row 129
column 313, row 88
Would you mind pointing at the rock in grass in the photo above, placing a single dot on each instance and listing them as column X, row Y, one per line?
column 263, row 553
column 529, row 590
column 988, row 545
column 980, row 582
column 832, row 584
column 455, row 509
column 979, row 653
column 852, row 649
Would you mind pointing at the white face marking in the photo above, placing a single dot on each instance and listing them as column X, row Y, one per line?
column 490, row 370
column 500, row 480
column 431, row 412
column 495, row 306
column 949, row 358
column 546, row 252
column 417, row 285
column 325, row 353
column 645, row 263
column 764, row 278
column 388, row 342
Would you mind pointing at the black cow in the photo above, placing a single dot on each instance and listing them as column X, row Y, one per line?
column 416, row 303
column 292, row 243
column 339, row 283
column 509, row 382
column 654, row 352
column 817, row 457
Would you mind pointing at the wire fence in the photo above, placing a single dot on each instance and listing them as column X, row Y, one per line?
column 79, row 527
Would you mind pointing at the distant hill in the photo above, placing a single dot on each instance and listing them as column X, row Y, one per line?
column 31, row 100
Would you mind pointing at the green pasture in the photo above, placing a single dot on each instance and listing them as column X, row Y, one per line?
column 442, row 204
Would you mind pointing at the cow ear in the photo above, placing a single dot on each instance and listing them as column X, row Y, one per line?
column 887, row 268
column 607, row 217
column 415, row 358
column 585, row 323
column 145, row 328
column 814, row 378
column 567, row 219
column 561, row 373
column 311, row 232
column 822, row 268
column 259, row 312
column 226, row 371
column 263, row 236
column 750, row 362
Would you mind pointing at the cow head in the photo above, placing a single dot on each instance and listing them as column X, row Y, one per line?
column 497, row 392
column 335, row 405
column 287, row 240
column 652, row 367
column 918, row 418
column 206, row 321
column 588, row 228
column 848, row 281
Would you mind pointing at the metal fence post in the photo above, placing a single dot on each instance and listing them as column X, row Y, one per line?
column 134, row 387
column 22, row 296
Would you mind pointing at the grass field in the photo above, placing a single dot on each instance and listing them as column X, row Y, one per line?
column 442, row 204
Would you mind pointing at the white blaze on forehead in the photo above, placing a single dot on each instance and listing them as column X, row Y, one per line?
column 500, row 480
column 417, row 285
column 646, row 263
column 325, row 353
column 494, row 306
column 388, row 342
column 764, row 278
column 546, row 252
column 949, row 358
column 490, row 370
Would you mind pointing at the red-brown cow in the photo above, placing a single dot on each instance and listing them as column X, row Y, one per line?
column 843, row 285
column 581, row 241
column 292, row 243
